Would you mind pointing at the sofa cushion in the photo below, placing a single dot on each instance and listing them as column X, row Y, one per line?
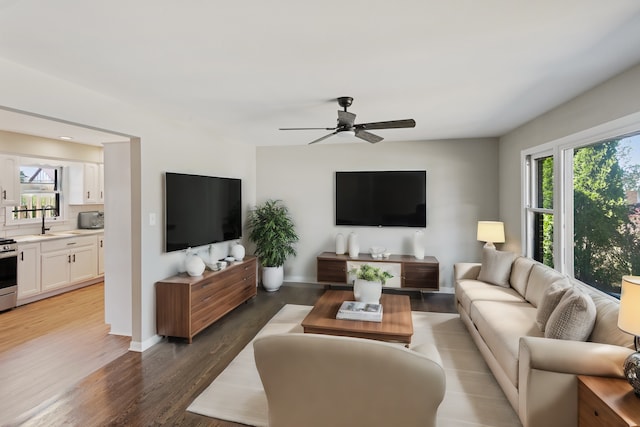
column 573, row 318
column 550, row 300
column 520, row 271
column 501, row 325
column 468, row 291
column 496, row 267
column 541, row 276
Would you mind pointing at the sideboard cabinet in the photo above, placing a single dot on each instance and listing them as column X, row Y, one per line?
column 415, row 273
column 186, row 305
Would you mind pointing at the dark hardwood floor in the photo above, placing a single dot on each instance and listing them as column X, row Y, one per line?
column 155, row 387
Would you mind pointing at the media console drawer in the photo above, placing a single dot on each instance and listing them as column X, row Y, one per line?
column 416, row 273
column 186, row 305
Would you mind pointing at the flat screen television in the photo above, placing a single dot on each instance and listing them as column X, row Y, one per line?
column 200, row 210
column 381, row 198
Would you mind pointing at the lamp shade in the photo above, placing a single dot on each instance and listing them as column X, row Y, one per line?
column 629, row 314
column 491, row 231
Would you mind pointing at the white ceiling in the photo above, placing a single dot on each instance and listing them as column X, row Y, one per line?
column 244, row 68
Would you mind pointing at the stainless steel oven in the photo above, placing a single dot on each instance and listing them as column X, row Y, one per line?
column 8, row 274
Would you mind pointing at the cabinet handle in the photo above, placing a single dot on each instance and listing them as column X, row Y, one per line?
column 69, row 259
column 71, row 243
column 21, row 255
column 4, row 194
column 74, row 257
column 101, row 243
column 88, row 194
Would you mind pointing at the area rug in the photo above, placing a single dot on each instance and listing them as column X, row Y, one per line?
column 472, row 398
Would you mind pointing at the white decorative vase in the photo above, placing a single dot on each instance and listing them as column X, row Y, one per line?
column 272, row 278
column 237, row 252
column 354, row 247
column 367, row 291
column 194, row 265
column 340, row 244
column 418, row 244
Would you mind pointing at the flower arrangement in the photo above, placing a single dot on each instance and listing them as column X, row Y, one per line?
column 370, row 273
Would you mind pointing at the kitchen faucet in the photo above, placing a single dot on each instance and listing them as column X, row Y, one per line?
column 44, row 209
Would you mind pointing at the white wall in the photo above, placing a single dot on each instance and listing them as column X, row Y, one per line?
column 614, row 99
column 164, row 145
column 462, row 188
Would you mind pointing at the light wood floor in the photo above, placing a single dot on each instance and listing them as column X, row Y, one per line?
column 58, row 365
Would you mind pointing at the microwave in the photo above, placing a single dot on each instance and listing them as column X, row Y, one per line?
column 91, row 220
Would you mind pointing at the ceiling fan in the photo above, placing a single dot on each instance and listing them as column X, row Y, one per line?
column 347, row 126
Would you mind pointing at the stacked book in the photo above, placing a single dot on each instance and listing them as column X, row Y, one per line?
column 352, row 310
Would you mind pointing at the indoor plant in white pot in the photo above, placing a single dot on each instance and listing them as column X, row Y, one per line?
column 272, row 230
column 368, row 284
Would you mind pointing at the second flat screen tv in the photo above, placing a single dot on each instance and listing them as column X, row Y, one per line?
column 381, row 198
column 201, row 210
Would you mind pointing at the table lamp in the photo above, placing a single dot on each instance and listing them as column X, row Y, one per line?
column 490, row 232
column 629, row 321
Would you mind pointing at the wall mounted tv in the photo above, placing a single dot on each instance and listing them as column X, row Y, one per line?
column 200, row 210
column 381, row 198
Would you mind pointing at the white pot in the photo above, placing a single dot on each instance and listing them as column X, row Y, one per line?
column 272, row 278
column 418, row 244
column 367, row 291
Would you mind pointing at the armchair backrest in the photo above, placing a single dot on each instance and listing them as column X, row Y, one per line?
column 322, row 380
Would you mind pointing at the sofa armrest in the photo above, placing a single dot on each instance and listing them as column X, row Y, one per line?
column 466, row 270
column 547, row 377
column 573, row 357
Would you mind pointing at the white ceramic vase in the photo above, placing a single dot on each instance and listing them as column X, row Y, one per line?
column 340, row 244
column 272, row 278
column 418, row 244
column 367, row 291
column 194, row 265
column 237, row 252
column 354, row 247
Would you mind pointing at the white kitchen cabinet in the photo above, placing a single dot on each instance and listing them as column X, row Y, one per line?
column 9, row 181
column 67, row 261
column 28, row 270
column 100, row 254
column 84, row 184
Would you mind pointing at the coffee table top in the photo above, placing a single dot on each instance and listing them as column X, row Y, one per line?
column 396, row 325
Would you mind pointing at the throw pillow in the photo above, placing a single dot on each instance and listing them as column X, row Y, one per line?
column 573, row 318
column 550, row 300
column 496, row 267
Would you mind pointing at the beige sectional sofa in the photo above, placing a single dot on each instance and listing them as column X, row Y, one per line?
column 537, row 374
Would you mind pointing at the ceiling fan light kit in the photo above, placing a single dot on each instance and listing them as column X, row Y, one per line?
column 347, row 127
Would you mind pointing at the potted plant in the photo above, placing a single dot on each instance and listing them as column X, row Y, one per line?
column 273, row 232
column 369, row 281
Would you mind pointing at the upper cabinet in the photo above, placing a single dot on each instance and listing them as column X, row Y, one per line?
column 9, row 180
column 86, row 184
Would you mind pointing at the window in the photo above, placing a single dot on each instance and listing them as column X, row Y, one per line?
column 595, row 229
column 39, row 193
column 540, row 209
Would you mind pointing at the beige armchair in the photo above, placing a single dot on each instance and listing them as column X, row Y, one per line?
column 322, row 380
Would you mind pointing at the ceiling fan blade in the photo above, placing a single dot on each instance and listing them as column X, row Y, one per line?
column 307, row 128
column 346, row 119
column 323, row 138
column 368, row 136
column 393, row 124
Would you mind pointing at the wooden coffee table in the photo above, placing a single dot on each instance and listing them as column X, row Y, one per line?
column 396, row 325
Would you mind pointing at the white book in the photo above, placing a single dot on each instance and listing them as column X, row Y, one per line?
column 353, row 310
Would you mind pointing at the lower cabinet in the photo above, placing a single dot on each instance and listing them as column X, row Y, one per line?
column 52, row 265
column 186, row 305
column 28, row 270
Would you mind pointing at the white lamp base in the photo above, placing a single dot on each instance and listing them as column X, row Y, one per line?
column 489, row 245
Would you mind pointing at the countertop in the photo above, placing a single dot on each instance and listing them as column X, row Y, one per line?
column 63, row 234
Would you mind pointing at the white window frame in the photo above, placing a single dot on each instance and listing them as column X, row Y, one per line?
column 562, row 150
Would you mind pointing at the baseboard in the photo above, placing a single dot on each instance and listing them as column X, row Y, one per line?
column 139, row 347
